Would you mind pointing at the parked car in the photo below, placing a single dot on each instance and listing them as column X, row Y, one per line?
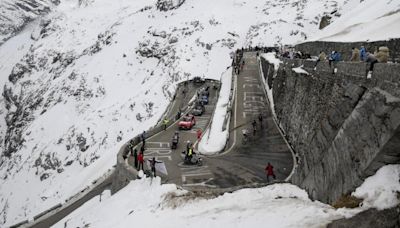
column 198, row 110
column 187, row 122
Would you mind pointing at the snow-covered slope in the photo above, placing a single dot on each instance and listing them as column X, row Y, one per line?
column 368, row 20
column 149, row 204
column 15, row 14
column 94, row 73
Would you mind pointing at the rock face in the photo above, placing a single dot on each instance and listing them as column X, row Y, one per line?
column 343, row 126
column 325, row 21
column 388, row 218
column 16, row 14
column 165, row 5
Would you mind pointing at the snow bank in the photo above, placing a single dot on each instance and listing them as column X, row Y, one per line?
column 381, row 190
column 271, row 58
column 144, row 204
column 214, row 139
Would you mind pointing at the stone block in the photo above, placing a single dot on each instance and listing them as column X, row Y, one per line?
column 309, row 64
column 387, row 72
column 352, row 69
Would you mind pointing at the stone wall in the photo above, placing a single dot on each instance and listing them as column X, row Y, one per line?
column 314, row 48
column 343, row 126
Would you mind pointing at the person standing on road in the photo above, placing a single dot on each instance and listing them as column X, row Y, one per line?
column 254, row 123
column 153, row 166
column 199, row 132
column 260, row 118
column 142, row 148
column 165, row 123
column 143, row 137
column 141, row 160
column 269, row 171
column 135, row 157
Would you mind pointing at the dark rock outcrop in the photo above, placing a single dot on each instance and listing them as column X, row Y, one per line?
column 372, row 218
column 165, row 5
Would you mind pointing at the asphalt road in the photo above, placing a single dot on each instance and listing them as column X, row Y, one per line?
column 241, row 163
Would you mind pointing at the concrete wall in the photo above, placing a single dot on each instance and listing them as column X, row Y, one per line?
column 314, row 48
column 343, row 126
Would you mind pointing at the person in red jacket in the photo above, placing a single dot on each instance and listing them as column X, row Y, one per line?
column 141, row 161
column 199, row 134
column 269, row 170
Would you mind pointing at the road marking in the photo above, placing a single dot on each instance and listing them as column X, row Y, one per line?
column 201, row 184
column 158, row 153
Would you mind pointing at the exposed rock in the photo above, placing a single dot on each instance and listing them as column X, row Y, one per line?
column 371, row 218
column 325, row 21
column 165, row 5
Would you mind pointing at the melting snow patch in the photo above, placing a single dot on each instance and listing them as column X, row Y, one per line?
column 300, row 70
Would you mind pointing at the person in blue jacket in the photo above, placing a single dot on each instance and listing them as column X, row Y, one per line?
column 363, row 53
column 334, row 57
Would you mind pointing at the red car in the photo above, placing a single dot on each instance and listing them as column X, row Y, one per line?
column 187, row 122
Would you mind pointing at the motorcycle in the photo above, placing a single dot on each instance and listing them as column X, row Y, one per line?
column 195, row 159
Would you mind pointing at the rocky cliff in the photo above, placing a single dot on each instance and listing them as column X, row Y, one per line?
column 16, row 14
column 343, row 126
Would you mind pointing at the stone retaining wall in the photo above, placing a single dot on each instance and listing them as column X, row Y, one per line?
column 343, row 126
column 314, row 48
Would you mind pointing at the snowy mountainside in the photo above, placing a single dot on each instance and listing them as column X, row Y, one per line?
column 367, row 20
column 15, row 14
column 92, row 74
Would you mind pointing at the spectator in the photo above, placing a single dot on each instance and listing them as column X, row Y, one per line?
column 269, row 171
column 141, row 161
column 371, row 59
column 254, row 124
column 199, row 133
column 165, row 123
column 363, row 53
column 153, row 166
column 321, row 57
column 135, row 157
column 383, row 54
column 355, row 55
column 335, row 58
column 260, row 118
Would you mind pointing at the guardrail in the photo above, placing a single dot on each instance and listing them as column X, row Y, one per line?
column 37, row 218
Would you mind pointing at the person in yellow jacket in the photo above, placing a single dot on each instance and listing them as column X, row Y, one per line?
column 383, row 54
column 355, row 55
column 321, row 58
column 165, row 123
